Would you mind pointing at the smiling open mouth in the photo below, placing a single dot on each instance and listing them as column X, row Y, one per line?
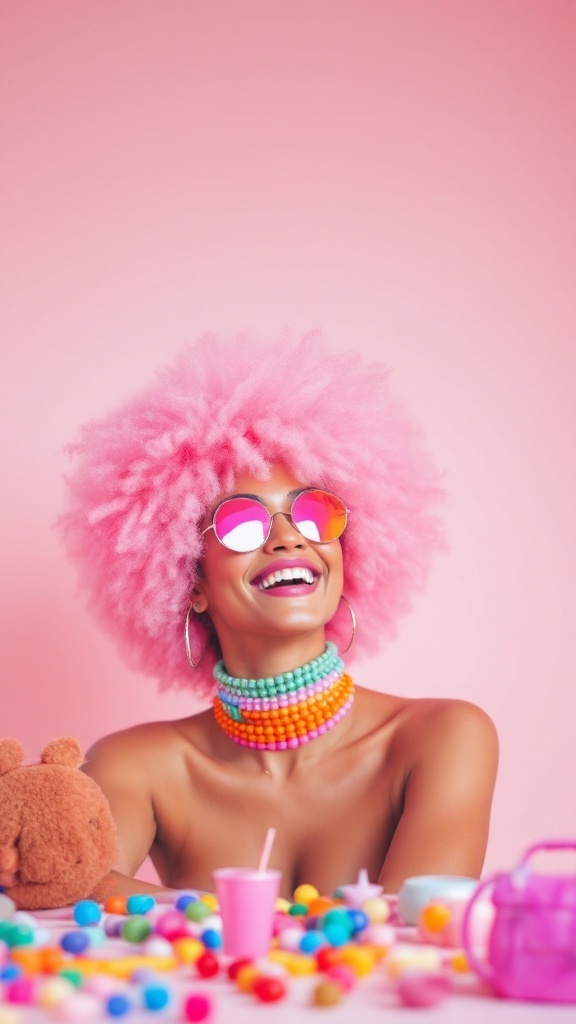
column 285, row 578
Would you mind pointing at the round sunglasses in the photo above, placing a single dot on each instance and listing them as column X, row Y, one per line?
column 242, row 523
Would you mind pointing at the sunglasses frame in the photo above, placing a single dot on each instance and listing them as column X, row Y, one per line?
column 305, row 490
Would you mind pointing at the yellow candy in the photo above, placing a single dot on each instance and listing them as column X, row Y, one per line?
column 53, row 992
column 376, row 909
column 209, row 898
column 282, row 905
column 327, row 993
column 305, row 894
column 188, row 949
column 460, row 963
column 362, row 959
column 295, row 963
column 246, row 977
column 8, row 1015
column 433, row 918
column 410, row 958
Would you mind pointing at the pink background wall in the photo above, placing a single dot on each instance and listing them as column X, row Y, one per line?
column 400, row 174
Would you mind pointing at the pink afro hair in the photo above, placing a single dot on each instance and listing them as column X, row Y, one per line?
column 146, row 474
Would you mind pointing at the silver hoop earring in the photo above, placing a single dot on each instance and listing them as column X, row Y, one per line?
column 353, row 620
column 193, row 664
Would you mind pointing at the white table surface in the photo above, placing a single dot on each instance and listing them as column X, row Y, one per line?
column 373, row 1001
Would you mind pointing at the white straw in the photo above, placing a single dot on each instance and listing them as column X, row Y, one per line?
column 267, row 849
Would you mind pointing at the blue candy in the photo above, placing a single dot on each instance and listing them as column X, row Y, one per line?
column 359, row 920
column 87, row 912
column 155, row 997
column 311, row 941
column 211, row 938
column 10, row 972
column 140, row 904
column 74, row 942
column 183, row 901
column 118, row 1005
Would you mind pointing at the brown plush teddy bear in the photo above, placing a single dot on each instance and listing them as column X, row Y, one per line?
column 56, row 828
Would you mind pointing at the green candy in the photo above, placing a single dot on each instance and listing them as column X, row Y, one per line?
column 75, row 978
column 298, row 910
column 136, row 928
column 197, row 911
column 18, row 935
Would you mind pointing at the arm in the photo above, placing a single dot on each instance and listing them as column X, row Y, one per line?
column 119, row 765
column 444, row 824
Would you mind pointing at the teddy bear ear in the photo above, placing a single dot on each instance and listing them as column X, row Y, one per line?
column 65, row 751
column 11, row 755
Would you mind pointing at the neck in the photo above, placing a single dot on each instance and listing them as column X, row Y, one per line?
column 284, row 711
column 249, row 657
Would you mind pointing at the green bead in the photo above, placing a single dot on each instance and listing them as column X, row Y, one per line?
column 298, row 910
column 19, row 935
column 75, row 977
column 136, row 928
column 197, row 911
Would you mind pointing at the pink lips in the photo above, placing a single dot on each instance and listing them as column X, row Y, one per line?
column 298, row 589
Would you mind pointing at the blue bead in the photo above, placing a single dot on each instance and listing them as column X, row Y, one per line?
column 183, row 901
column 10, row 972
column 311, row 941
column 74, row 942
column 211, row 938
column 155, row 997
column 118, row 1005
column 140, row 904
column 359, row 920
column 87, row 912
column 336, row 934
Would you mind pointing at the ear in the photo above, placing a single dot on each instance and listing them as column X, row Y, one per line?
column 198, row 599
column 65, row 751
column 11, row 755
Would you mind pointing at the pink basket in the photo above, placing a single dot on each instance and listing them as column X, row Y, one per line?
column 532, row 947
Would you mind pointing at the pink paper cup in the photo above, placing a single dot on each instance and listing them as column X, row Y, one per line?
column 247, row 901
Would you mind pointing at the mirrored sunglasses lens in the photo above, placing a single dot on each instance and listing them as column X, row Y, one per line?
column 319, row 515
column 241, row 524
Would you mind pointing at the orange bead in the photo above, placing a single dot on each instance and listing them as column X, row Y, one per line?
column 115, row 905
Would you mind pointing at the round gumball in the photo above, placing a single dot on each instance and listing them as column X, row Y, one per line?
column 207, row 965
column 327, row 993
column 75, row 942
column 305, row 894
column 197, row 1007
column 86, row 912
column 268, row 989
column 155, row 997
column 118, row 1005
column 423, row 988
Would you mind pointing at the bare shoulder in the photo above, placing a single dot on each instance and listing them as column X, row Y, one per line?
column 144, row 745
column 431, row 727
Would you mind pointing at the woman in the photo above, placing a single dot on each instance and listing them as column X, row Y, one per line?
column 221, row 517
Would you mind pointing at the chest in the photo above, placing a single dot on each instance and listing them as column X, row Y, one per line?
column 330, row 822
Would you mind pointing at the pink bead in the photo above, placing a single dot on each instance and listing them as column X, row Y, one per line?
column 292, row 743
column 420, row 988
column 197, row 1008
column 304, row 739
column 281, row 745
column 343, row 976
column 21, row 991
column 172, row 925
column 313, row 734
column 321, row 729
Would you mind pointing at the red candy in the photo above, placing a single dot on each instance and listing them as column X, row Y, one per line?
column 268, row 989
column 207, row 965
column 197, row 1008
column 235, row 966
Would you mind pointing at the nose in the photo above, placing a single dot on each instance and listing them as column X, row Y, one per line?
column 283, row 535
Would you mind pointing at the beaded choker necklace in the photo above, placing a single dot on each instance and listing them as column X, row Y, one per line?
column 285, row 711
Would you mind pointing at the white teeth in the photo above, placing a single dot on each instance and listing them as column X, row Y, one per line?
column 299, row 573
